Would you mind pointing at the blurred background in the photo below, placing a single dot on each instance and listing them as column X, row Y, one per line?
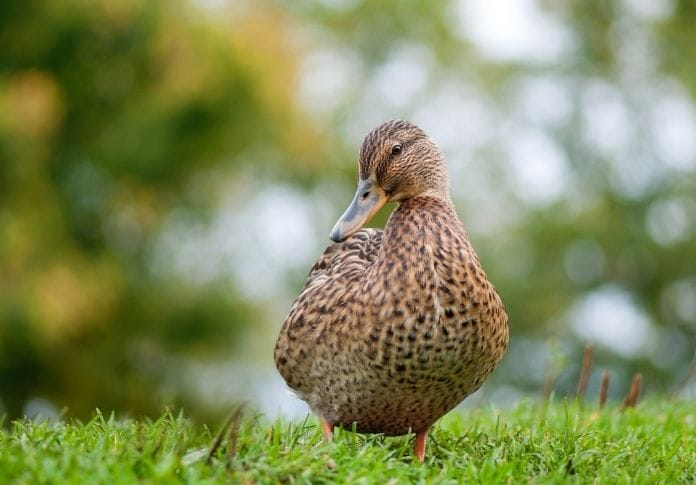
column 169, row 170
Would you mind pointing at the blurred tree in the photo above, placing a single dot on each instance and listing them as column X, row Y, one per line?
column 108, row 111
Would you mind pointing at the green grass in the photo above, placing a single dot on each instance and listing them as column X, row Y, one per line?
column 551, row 443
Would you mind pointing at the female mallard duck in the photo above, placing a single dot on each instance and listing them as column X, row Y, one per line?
column 394, row 328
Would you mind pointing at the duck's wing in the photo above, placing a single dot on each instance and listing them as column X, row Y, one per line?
column 340, row 260
column 323, row 307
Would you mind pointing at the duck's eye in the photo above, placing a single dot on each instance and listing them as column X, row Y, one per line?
column 365, row 194
column 396, row 149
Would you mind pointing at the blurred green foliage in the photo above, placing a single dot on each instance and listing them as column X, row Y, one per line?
column 114, row 115
column 107, row 111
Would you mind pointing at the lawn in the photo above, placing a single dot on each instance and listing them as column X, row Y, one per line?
column 549, row 443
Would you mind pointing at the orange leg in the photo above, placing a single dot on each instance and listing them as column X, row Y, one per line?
column 328, row 429
column 419, row 447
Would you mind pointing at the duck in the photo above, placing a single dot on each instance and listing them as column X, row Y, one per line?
column 395, row 327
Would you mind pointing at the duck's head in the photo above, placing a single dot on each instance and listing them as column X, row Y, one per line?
column 397, row 161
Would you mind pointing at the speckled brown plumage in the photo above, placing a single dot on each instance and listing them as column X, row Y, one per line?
column 394, row 328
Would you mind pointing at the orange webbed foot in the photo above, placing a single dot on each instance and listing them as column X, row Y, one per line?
column 419, row 446
column 327, row 428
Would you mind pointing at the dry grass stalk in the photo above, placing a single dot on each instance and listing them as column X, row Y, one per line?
column 231, row 424
column 585, row 372
column 634, row 392
column 233, row 434
column 603, row 389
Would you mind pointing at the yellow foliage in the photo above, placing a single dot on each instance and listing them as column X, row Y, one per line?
column 30, row 104
column 69, row 297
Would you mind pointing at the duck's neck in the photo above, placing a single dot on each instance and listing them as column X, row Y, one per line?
column 428, row 217
column 428, row 201
column 424, row 243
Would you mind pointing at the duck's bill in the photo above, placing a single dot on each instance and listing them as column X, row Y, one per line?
column 367, row 201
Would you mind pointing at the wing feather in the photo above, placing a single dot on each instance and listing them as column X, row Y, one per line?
column 321, row 305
